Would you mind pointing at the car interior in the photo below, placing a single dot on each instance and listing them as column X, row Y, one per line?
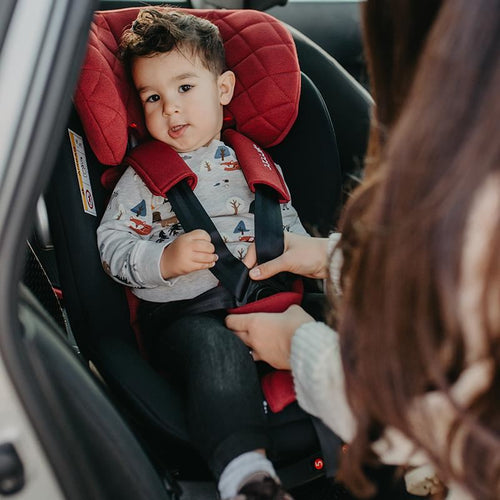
column 125, row 419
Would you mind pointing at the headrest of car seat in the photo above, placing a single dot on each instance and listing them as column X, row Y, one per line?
column 259, row 49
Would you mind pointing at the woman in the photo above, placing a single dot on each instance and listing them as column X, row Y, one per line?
column 418, row 320
column 430, row 240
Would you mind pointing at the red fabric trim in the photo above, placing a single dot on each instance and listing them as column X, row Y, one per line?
column 274, row 304
column 278, row 389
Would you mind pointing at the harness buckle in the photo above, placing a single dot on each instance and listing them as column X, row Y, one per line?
column 257, row 290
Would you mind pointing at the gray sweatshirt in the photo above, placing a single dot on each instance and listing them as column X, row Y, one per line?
column 137, row 225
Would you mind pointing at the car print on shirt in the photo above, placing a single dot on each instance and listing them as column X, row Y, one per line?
column 247, row 239
column 139, row 226
column 231, row 165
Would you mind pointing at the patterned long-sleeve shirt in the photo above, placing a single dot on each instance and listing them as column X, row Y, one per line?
column 137, row 226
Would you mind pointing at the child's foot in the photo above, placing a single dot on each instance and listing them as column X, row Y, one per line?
column 262, row 488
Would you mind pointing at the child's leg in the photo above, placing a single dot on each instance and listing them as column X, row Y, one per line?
column 222, row 390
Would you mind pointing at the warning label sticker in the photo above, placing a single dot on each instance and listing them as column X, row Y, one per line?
column 82, row 172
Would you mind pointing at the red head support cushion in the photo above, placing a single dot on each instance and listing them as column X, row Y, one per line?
column 259, row 50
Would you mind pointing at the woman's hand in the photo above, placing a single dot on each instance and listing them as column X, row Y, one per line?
column 187, row 253
column 302, row 255
column 269, row 335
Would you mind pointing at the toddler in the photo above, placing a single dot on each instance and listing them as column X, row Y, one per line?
column 177, row 64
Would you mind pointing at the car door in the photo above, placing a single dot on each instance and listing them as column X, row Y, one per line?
column 60, row 437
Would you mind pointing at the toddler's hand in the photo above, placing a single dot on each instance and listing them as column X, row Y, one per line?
column 187, row 253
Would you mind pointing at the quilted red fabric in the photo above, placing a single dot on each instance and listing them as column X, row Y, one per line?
column 259, row 49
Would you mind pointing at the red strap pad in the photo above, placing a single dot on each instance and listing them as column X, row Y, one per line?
column 160, row 167
column 257, row 165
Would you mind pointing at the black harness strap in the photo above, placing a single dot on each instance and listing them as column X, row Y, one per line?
column 269, row 240
column 229, row 270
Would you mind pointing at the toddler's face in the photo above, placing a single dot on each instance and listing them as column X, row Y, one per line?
column 182, row 100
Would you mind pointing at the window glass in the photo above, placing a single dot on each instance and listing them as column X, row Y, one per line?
column 6, row 9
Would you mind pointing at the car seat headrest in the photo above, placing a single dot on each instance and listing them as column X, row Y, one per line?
column 259, row 49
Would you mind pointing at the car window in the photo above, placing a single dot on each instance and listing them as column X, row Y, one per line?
column 6, row 9
column 16, row 86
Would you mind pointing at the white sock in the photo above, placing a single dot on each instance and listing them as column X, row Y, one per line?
column 240, row 468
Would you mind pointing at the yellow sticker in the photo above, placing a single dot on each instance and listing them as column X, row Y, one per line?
column 82, row 172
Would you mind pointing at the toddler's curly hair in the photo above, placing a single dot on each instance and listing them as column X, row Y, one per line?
column 158, row 31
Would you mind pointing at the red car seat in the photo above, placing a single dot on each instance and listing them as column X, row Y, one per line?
column 265, row 107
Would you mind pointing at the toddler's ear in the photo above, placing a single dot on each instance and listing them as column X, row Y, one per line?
column 226, row 83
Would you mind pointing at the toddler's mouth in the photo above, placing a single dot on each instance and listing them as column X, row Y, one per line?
column 176, row 131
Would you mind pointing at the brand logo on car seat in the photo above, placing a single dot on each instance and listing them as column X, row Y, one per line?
column 262, row 157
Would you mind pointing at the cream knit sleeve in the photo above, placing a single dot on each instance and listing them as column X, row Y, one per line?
column 317, row 366
column 319, row 377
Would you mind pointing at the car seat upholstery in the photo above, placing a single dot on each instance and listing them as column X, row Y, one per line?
column 264, row 105
column 348, row 102
column 107, row 111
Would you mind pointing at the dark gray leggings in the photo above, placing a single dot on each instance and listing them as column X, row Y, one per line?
column 217, row 375
column 220, row 384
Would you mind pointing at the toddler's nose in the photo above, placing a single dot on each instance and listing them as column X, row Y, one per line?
column 169, row 108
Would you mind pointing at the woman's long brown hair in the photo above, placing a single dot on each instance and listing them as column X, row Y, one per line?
column 393, row 34
column 404, row 235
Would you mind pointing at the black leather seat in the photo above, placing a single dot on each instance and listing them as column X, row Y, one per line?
column 348, row 103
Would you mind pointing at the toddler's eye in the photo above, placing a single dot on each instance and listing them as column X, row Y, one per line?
column 153, row 98
column 185, row 88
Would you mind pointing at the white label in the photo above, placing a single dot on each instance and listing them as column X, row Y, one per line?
column 82, row 172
